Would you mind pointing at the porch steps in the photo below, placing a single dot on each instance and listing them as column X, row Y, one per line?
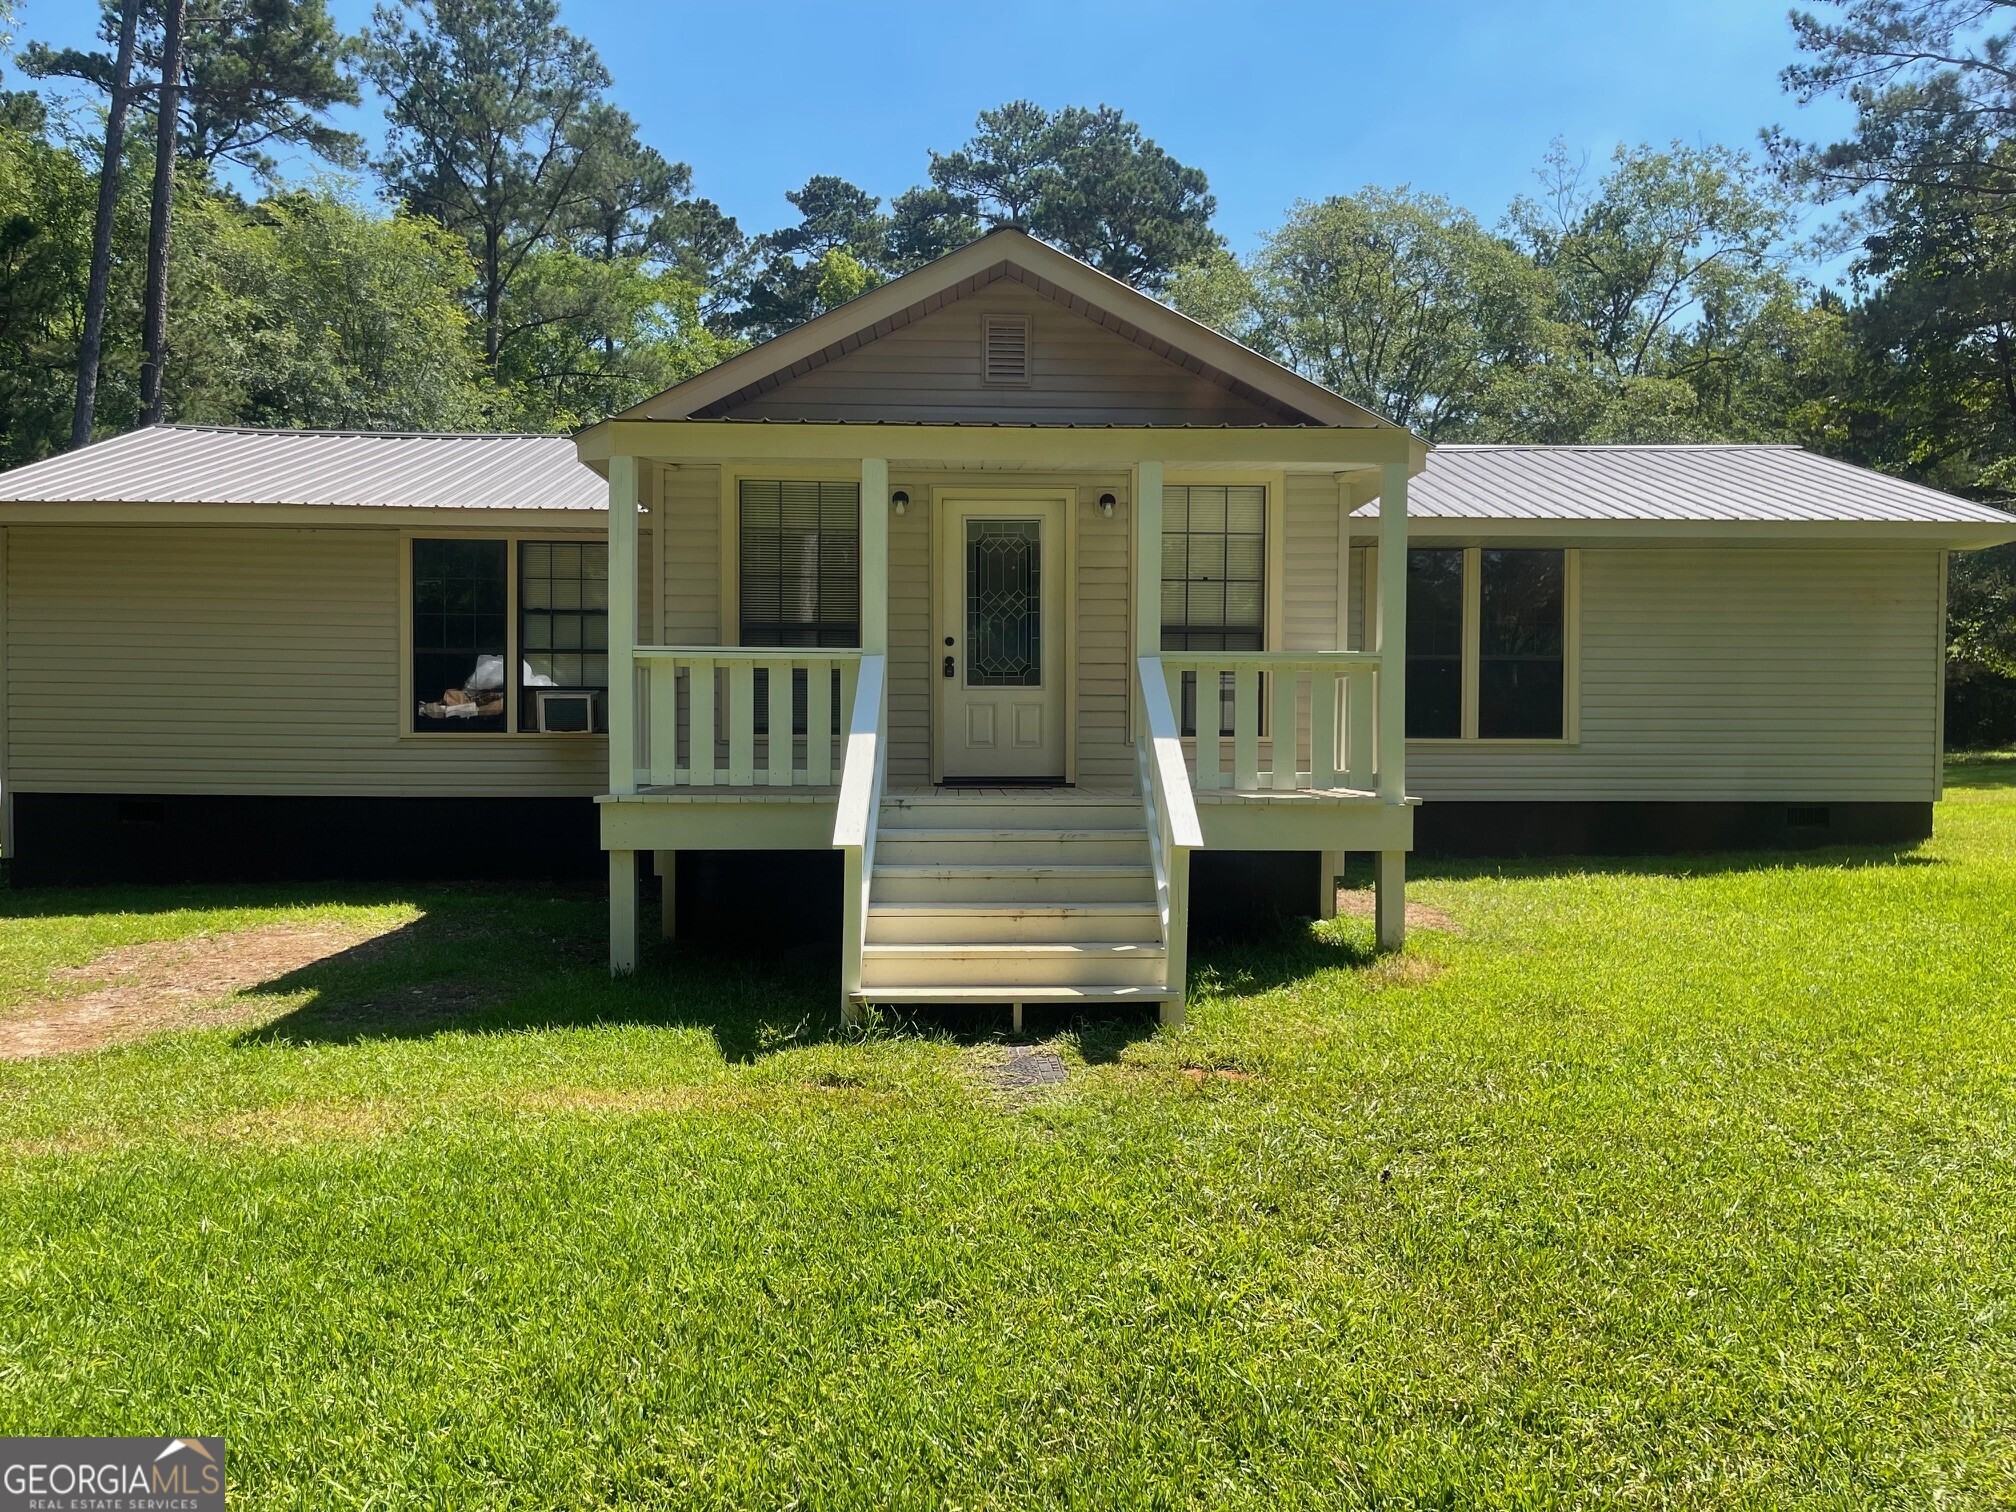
column 1010, row 898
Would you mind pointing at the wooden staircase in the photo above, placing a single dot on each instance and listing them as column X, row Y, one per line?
column 1043, row 897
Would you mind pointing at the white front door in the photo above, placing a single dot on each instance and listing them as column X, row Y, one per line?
column 999, row 646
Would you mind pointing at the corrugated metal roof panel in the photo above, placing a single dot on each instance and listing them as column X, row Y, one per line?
column 1710, row 484
column 1715, row 484
column 174, row 464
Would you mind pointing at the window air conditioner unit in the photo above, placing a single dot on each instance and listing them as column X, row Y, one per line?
column 566, row 712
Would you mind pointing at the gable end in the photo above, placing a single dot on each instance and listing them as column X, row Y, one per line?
column 951, row 358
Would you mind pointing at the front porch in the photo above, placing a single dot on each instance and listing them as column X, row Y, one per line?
column 1013, row 890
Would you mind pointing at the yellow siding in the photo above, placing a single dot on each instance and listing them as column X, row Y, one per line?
column 1311, row 516
column 929, row 371
column 234, row 660
column 688, row 503
column 1099, row 630
column 911, row 660
column 1739, row 673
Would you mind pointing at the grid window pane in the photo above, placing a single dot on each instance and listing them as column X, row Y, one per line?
column 1521, row 641
column 459, row 634
column 1435, row 643
column 1214, row 592
column 800, row 563
column 563, row 597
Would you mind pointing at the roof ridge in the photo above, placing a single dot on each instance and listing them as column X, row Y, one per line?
column 374, row 435
column 1565, row 446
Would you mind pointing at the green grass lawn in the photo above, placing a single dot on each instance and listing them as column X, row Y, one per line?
column 1673, row 1183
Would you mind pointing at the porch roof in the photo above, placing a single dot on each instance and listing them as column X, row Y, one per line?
column 1712, row 485
column 1618, row 490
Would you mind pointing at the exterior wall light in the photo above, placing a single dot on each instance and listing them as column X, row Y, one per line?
column 900, row 501
column 1106, row 502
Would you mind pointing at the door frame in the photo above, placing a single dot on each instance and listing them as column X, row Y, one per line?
column 943, row 494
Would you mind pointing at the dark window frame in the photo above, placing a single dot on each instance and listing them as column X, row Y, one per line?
column 1472, row 726
column 834, row 634
column 517, row 719
column 1217, row 566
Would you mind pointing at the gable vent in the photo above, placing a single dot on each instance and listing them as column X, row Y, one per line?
column 1004, row 361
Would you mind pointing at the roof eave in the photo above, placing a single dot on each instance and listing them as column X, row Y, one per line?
column 1953, row 535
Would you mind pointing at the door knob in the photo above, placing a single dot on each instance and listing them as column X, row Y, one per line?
column 948, row 667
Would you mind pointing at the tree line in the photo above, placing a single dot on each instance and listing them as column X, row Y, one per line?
column 512, row 255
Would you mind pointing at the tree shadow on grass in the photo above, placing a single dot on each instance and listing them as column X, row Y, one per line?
column 1279, row 954
column 1986, row 769
column 436, row 977
column 461, row 973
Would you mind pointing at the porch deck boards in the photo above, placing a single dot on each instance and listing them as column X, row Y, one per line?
column 760, row 793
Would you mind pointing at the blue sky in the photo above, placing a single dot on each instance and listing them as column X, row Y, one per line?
column 1282, row 102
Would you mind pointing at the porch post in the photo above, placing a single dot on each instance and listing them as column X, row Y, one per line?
column 1393, row 633
column 622, row 624
column 1390, row 906
column 875, row 555
column 622, row 912
column 1147, row 572
column 1389, row 900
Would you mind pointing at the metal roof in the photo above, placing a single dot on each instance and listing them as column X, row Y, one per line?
column 1729, row 484
column 1708, row 484
column 178, row 464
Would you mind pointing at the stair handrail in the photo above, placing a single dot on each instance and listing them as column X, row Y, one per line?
column 1173, row 830
column 860, row 805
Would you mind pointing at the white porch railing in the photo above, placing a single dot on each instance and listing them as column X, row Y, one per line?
column 861, row 779
column 1173, row 830
column 1318, row 727
column 699, row 724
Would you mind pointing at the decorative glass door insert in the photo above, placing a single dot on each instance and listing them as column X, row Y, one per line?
column 1004, row 603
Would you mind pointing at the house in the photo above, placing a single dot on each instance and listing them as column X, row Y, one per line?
column 1034, row 622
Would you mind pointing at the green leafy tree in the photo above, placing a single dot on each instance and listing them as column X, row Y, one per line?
column 307, row 310
column 792, row 277
column 1639, row 256
column 487, row 103
column 47, row 205
column 256, row 75
column 924, row 225
column 1118, row 201
column 1928, row 171
column 1088, row 181
column 1397, row 300
column 1933, row 86
column 1002, row 172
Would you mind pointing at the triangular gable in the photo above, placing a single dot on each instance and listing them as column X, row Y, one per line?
column 1101, row 354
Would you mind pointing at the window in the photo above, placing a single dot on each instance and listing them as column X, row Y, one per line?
column 1435, row 644
column 563, row 623
column 801, row 563
column 1214, row 598
column 800, row 578
column 473, row 669
column 1487, row 643
column 461, row 623
column 1522, row 644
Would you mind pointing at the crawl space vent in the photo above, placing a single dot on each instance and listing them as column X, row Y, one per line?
column 1005, row 358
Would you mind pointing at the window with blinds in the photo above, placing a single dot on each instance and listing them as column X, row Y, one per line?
column 800, row 573
column 1214, row 589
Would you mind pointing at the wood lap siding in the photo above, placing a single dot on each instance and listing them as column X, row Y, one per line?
column 1311, row 516
column 931, row 371
column 1738, row 674
column 1105, row 666
column 234, row 660
column 1099, row 630
column 912, row 658
column 687, row 507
